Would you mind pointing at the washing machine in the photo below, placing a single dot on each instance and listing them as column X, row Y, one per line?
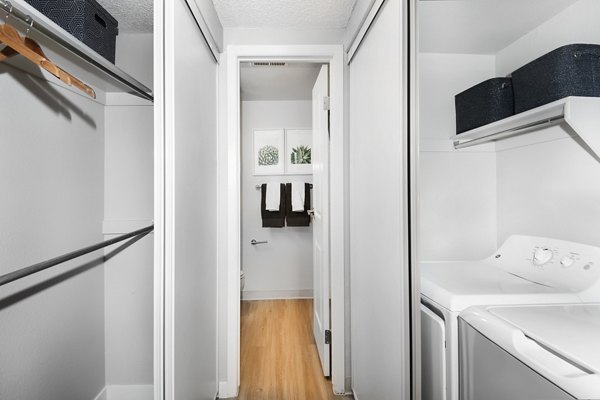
column 524, row 270
column 545, row 352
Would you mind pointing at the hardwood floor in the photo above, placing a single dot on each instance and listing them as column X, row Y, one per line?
column 279, row 359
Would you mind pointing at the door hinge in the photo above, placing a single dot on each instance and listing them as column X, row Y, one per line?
column 327, row 336
column 326, row 103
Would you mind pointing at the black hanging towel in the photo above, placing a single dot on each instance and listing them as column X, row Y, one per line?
column 272, row 219
column 300, row 218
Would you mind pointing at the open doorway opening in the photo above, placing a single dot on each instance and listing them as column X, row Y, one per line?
column 284, row 186
column 231, row 258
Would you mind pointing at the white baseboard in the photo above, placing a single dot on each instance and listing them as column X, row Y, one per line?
column 101, row 395
column 226, row 392
column 277, row 294
column 129, row 392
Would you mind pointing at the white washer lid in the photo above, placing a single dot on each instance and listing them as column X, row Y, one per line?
column 572, row 331
column 458, row 285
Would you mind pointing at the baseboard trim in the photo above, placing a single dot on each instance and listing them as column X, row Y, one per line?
column 101, row 395
column 129, row 392
column 277, row 294
column 225, row 391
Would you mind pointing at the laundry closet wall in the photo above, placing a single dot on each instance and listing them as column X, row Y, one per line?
column 52, row 176
column 457, row 189
column 281, row 268
column 550, row 189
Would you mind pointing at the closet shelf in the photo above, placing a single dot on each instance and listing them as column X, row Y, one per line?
column 70, row 53
column 582, row 114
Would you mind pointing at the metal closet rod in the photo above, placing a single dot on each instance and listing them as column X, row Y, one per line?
column 105, row 66
column 509, row 132
column 32, row 269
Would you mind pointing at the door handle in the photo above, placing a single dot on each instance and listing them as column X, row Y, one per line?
column 311, row 212
column 254, row 242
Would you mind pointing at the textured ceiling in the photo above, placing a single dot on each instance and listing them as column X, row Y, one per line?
column 284, row 13
column 134, row 16
column 482, row 26
column 291, row 82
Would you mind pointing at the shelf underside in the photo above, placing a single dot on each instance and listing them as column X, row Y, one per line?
column 68, row 52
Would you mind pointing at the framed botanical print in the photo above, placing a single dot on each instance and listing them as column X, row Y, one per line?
column 269, row 152
column 298, row 151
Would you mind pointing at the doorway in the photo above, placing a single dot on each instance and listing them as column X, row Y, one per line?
column 284, row 218
column 333, row 56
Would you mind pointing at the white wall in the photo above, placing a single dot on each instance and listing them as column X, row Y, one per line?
column 281, row 268
column 576, row 24
column 457, row 189
column 279, row 36
column 191, row 207
column 549, row 189
column 379, row 270
column 129, row 158
column 134, row 56
column 51, row 157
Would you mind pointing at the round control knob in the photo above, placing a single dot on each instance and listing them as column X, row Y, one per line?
column 567, row 261
column 542, row 255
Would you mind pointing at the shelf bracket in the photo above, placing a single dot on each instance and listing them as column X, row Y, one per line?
column 583, row 116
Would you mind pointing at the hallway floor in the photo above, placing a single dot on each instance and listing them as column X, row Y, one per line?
column 279, row 359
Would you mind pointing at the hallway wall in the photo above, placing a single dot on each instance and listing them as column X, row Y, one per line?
column 281, row 268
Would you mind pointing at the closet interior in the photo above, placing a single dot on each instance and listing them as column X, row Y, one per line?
column 77, row 170
column 528, row 174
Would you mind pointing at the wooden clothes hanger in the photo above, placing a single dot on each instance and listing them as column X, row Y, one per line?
column 32, row 51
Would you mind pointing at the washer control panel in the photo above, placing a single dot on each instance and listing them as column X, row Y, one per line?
column 555, row 263
column 542, row 255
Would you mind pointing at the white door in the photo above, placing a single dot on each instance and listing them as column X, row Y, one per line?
column 187, row 184
column 320, row 161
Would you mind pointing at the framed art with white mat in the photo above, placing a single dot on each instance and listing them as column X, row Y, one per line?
column 298, row 151
column 269, row 152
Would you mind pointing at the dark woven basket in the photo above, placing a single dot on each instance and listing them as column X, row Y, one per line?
column 86, row 20
column 572, row 70
column 487, row 102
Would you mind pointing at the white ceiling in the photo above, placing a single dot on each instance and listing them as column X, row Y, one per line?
column 480, row 26
column 134, row 16
column 291, row 82
column 284, row 13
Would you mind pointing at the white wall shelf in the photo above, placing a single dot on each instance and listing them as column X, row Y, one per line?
column 68, row 52
column 582, row 114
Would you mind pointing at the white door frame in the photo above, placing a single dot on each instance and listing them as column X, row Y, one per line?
column 334, row 56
